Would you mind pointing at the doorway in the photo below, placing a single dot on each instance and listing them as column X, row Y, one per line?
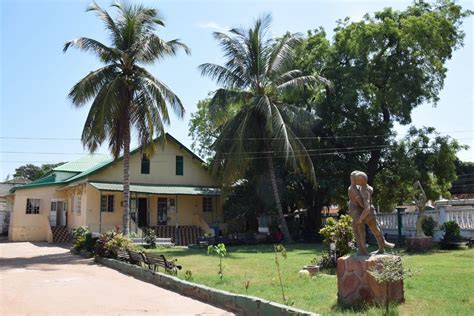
column 162, row 211
column 57, row 215
column 142, row 212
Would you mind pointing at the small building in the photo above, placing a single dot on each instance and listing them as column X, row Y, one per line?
column 6, row 204
column 170, row 191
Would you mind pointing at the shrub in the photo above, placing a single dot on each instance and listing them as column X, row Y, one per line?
column 328, row 263
column 109, row 243
column 428, row 224
column 339, row 232
column 81, row 236
column 150, row 237
column 452, row 232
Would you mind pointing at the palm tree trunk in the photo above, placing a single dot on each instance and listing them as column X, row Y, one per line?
column 126, row 180
column 276, row 196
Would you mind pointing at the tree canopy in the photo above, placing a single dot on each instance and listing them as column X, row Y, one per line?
column 33, row 172
column 382, row 68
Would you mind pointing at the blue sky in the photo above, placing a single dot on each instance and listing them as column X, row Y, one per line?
column 36, row 76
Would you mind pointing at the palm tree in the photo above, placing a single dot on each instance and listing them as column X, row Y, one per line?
column 124, row 95
column 256, row 76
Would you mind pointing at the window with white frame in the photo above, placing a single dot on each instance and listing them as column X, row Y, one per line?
column 32, row 206
column 207, row 204
column 107, row 203
column 77, row 204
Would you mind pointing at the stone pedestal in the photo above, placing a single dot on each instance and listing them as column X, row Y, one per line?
column 355, row 286
column 419, row 244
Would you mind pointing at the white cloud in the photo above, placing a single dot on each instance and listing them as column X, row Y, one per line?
column 212, row 25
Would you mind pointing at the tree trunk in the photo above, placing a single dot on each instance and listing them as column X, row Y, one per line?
column 276, row 196
column 373, row 165
column 126, row 180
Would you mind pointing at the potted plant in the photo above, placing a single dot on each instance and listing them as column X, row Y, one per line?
column 312, row 268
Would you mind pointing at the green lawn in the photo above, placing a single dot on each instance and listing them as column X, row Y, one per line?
column 444, row 284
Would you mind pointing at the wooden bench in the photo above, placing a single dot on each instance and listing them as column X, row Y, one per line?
column 155, row 261
column 123, row 255
column 136, row 257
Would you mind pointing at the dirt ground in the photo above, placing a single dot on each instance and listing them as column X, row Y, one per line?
column 45, row 279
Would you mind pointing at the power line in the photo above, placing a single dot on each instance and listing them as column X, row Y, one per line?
column 225, row 153
column 247, row 138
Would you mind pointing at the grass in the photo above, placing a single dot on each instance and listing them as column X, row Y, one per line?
column 444, row 284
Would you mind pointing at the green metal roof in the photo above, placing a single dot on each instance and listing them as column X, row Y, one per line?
column 88, row 165
column 83, row 164
column 48, row 180
column 158, row 189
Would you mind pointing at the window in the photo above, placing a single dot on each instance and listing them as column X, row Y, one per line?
column 207, row 204
column 32, row 206
column 145, row 165
column 77, row 204
column 179, row 165
column 107, row 203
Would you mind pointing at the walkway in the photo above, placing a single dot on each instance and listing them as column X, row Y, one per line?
column 45, row 279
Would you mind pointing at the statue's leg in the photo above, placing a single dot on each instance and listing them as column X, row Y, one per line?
column 372, row 223
column 360, row 239
column 419, row 226
column 361, row 246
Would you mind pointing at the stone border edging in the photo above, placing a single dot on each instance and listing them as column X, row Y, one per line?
column 240, row 304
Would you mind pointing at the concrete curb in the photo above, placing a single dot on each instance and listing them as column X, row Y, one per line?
column 83, row 253
column 239, row 304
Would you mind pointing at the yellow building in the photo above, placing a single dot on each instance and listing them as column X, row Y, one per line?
column 170, row 191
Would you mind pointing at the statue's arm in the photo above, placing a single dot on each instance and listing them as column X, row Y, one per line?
column 366, row 204
column 358, row 199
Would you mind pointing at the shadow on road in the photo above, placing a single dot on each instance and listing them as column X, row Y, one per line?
column 46, row 262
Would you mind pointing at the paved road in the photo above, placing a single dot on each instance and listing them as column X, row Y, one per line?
column 44, row 279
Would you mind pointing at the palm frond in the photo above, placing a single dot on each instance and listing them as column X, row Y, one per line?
column 223, row 99
column 300, row 82
column 160, row 90
column 88, row 87
column 101, row 119
column 152, row 48
column 222, row 75
column 105, row 53
column 282, row 54
column 109, row 22
column 263, row 105
column 281, row 134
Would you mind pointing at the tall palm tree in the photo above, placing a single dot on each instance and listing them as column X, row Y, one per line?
column 124, row 95
column 256, row 76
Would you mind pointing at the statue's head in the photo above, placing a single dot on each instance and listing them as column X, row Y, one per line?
column 354, row 177
column 361, row 178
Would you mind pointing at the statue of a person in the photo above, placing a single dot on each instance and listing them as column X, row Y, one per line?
column 356, row 206
column 363, row 213
column 420, row 202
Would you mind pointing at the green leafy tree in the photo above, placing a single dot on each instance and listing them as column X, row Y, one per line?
column 464, row 184
column 423, row 155
column 256, row 74
column 205, row 127
column 124, row 95
column 33, row 172
column 382, row 67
